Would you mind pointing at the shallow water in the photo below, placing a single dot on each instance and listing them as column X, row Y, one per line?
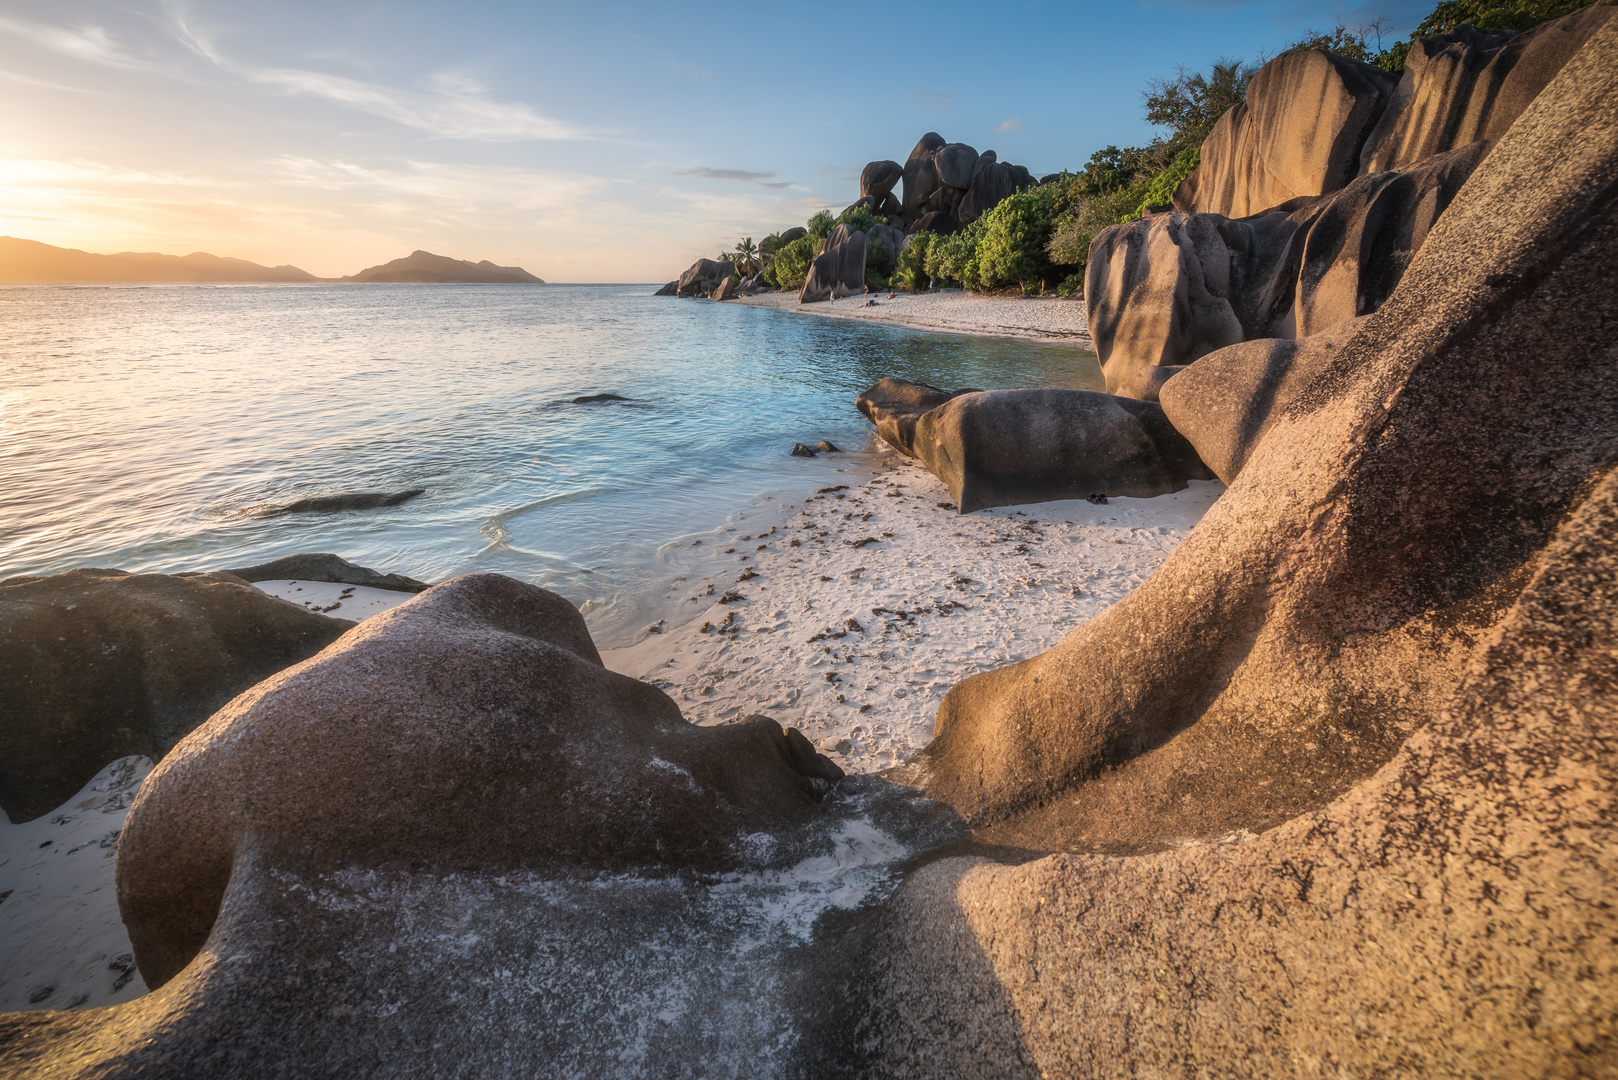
column 152, row 427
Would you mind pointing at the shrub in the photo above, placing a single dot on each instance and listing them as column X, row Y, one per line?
column 792, row 262
column 1161, row 190
column 859, row 217
column 1073, row 283
column 954, row 257
column 1012, row 247
column 821, row 225
column 877, row 256
column 912, row 261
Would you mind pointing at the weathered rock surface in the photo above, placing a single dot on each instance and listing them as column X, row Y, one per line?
column 1333, row 600
column 953, row 179
column 1009, row 447
column 894, row 406
column 727, row 290
column 350, row 500
column 99, row 664
column 1147, row 383
column 704, row 277
column 309, row 566
column 837, row 271
column 671, row 289
column 1230, row 398
column 935, row 221
column 1470, row 85
column 1170, row 288
column 1298, row 133
column 879, row 178
column 482, row 700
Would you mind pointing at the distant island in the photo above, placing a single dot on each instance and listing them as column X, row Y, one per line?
column 30, row 260
column 424, row 266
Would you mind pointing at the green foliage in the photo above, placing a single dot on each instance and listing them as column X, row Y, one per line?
column 875, row 279
column 877, row 256
column 1494, row 15
column 1191, row 103
column 792, row 262
column 1342, row 41
column 1013, row 247
column 1160, row 191
column 859, row 217
column 1073, row 283
column 912, row 262
column 821, row 225
column 954, row 257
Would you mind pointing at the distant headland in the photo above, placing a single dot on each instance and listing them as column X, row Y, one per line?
column 30, row 260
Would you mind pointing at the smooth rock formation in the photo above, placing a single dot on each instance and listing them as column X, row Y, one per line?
column 1010, row 447
column 99, row 664
column 1298, row 133
column 352, row 500
column 936, row 221
column 921, row 182
column 839, row 270
column 703, row 277
column 895, row 405
column 481, row 700
column 1147, row 384
column 1173, row 287
column 727, row 290
column 1334, row 600
column 1470, row 85
column 309, row 566
column 955, row 180
column 1230, row 398
column 423, row 267
column 1446, row 917
column 671, row 289
column 878, row 178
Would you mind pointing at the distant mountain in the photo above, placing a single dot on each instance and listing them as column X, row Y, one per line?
column 425, row 266
column 29, row 260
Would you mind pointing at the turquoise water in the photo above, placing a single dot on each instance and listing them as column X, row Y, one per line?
column 151, row 427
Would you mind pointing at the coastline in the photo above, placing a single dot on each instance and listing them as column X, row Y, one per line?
column 1042, row 320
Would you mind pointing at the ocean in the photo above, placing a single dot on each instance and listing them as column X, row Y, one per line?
column 161, row 427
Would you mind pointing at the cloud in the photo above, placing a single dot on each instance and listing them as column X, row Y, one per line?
column 1014, row 124
column 936, row 100
column 453, row 106
column 739, row 175
column 29, row 80
column 91, row 44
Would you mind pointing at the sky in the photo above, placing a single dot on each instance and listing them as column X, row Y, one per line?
column 590, row 142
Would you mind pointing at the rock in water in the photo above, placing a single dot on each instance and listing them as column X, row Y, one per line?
column 825, row 446
column 671, row 289
column 1230, row 398
column 800, row 450
column 473, row 726
column 1298, row 133
column 839, row 270
column 703, row 277
column 309, row 566
column 99, row 664
column 895, row 405
column 1010, row 447
column 354, row 500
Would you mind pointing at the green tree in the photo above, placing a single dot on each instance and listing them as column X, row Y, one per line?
column 912, row 261
column 792, row 262
column 1191, row 103
column 1493, row 15
column 746, row 254
column 859, row 217
column 821, row 225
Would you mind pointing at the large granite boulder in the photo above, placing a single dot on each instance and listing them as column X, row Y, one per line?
column 921, row 180
column 1470, row 85
column 956, row 163
column 990, row 184
column 894, row 406
column 704, row 276
column 934, row 221
column 1298, row 133
column 473, row 726
column 878, row 178
column 1337, row 781
column 1011, row 447
column 1230, row 398
column 955, row 180
column 1335, row 598
column 311, row 566
column 671, row 289
column 1173, row 287
column 99, row 664
column 797, row 232
column 837, row 271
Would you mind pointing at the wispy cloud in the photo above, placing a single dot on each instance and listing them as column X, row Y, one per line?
column 936, row 100
column 29, row 80
column 739, row 175
column 452, row 106
column 91, row 44
column 1013, row 124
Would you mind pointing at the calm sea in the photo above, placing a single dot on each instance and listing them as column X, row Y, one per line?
column 154, row 427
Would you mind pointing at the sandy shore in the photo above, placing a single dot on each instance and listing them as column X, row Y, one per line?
column 1045, row 320
column 850, row 617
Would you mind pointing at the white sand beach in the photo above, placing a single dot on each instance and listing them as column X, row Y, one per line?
column 851, row 616
column 1044, row 319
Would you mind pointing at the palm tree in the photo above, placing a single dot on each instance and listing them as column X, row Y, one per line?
column 746, row 253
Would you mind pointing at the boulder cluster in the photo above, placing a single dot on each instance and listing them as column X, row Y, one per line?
column 1333, row 793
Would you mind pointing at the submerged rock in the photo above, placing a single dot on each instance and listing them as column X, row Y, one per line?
column 471, row 727
column 100, row 664
column 309, row 566
column 356, row 500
